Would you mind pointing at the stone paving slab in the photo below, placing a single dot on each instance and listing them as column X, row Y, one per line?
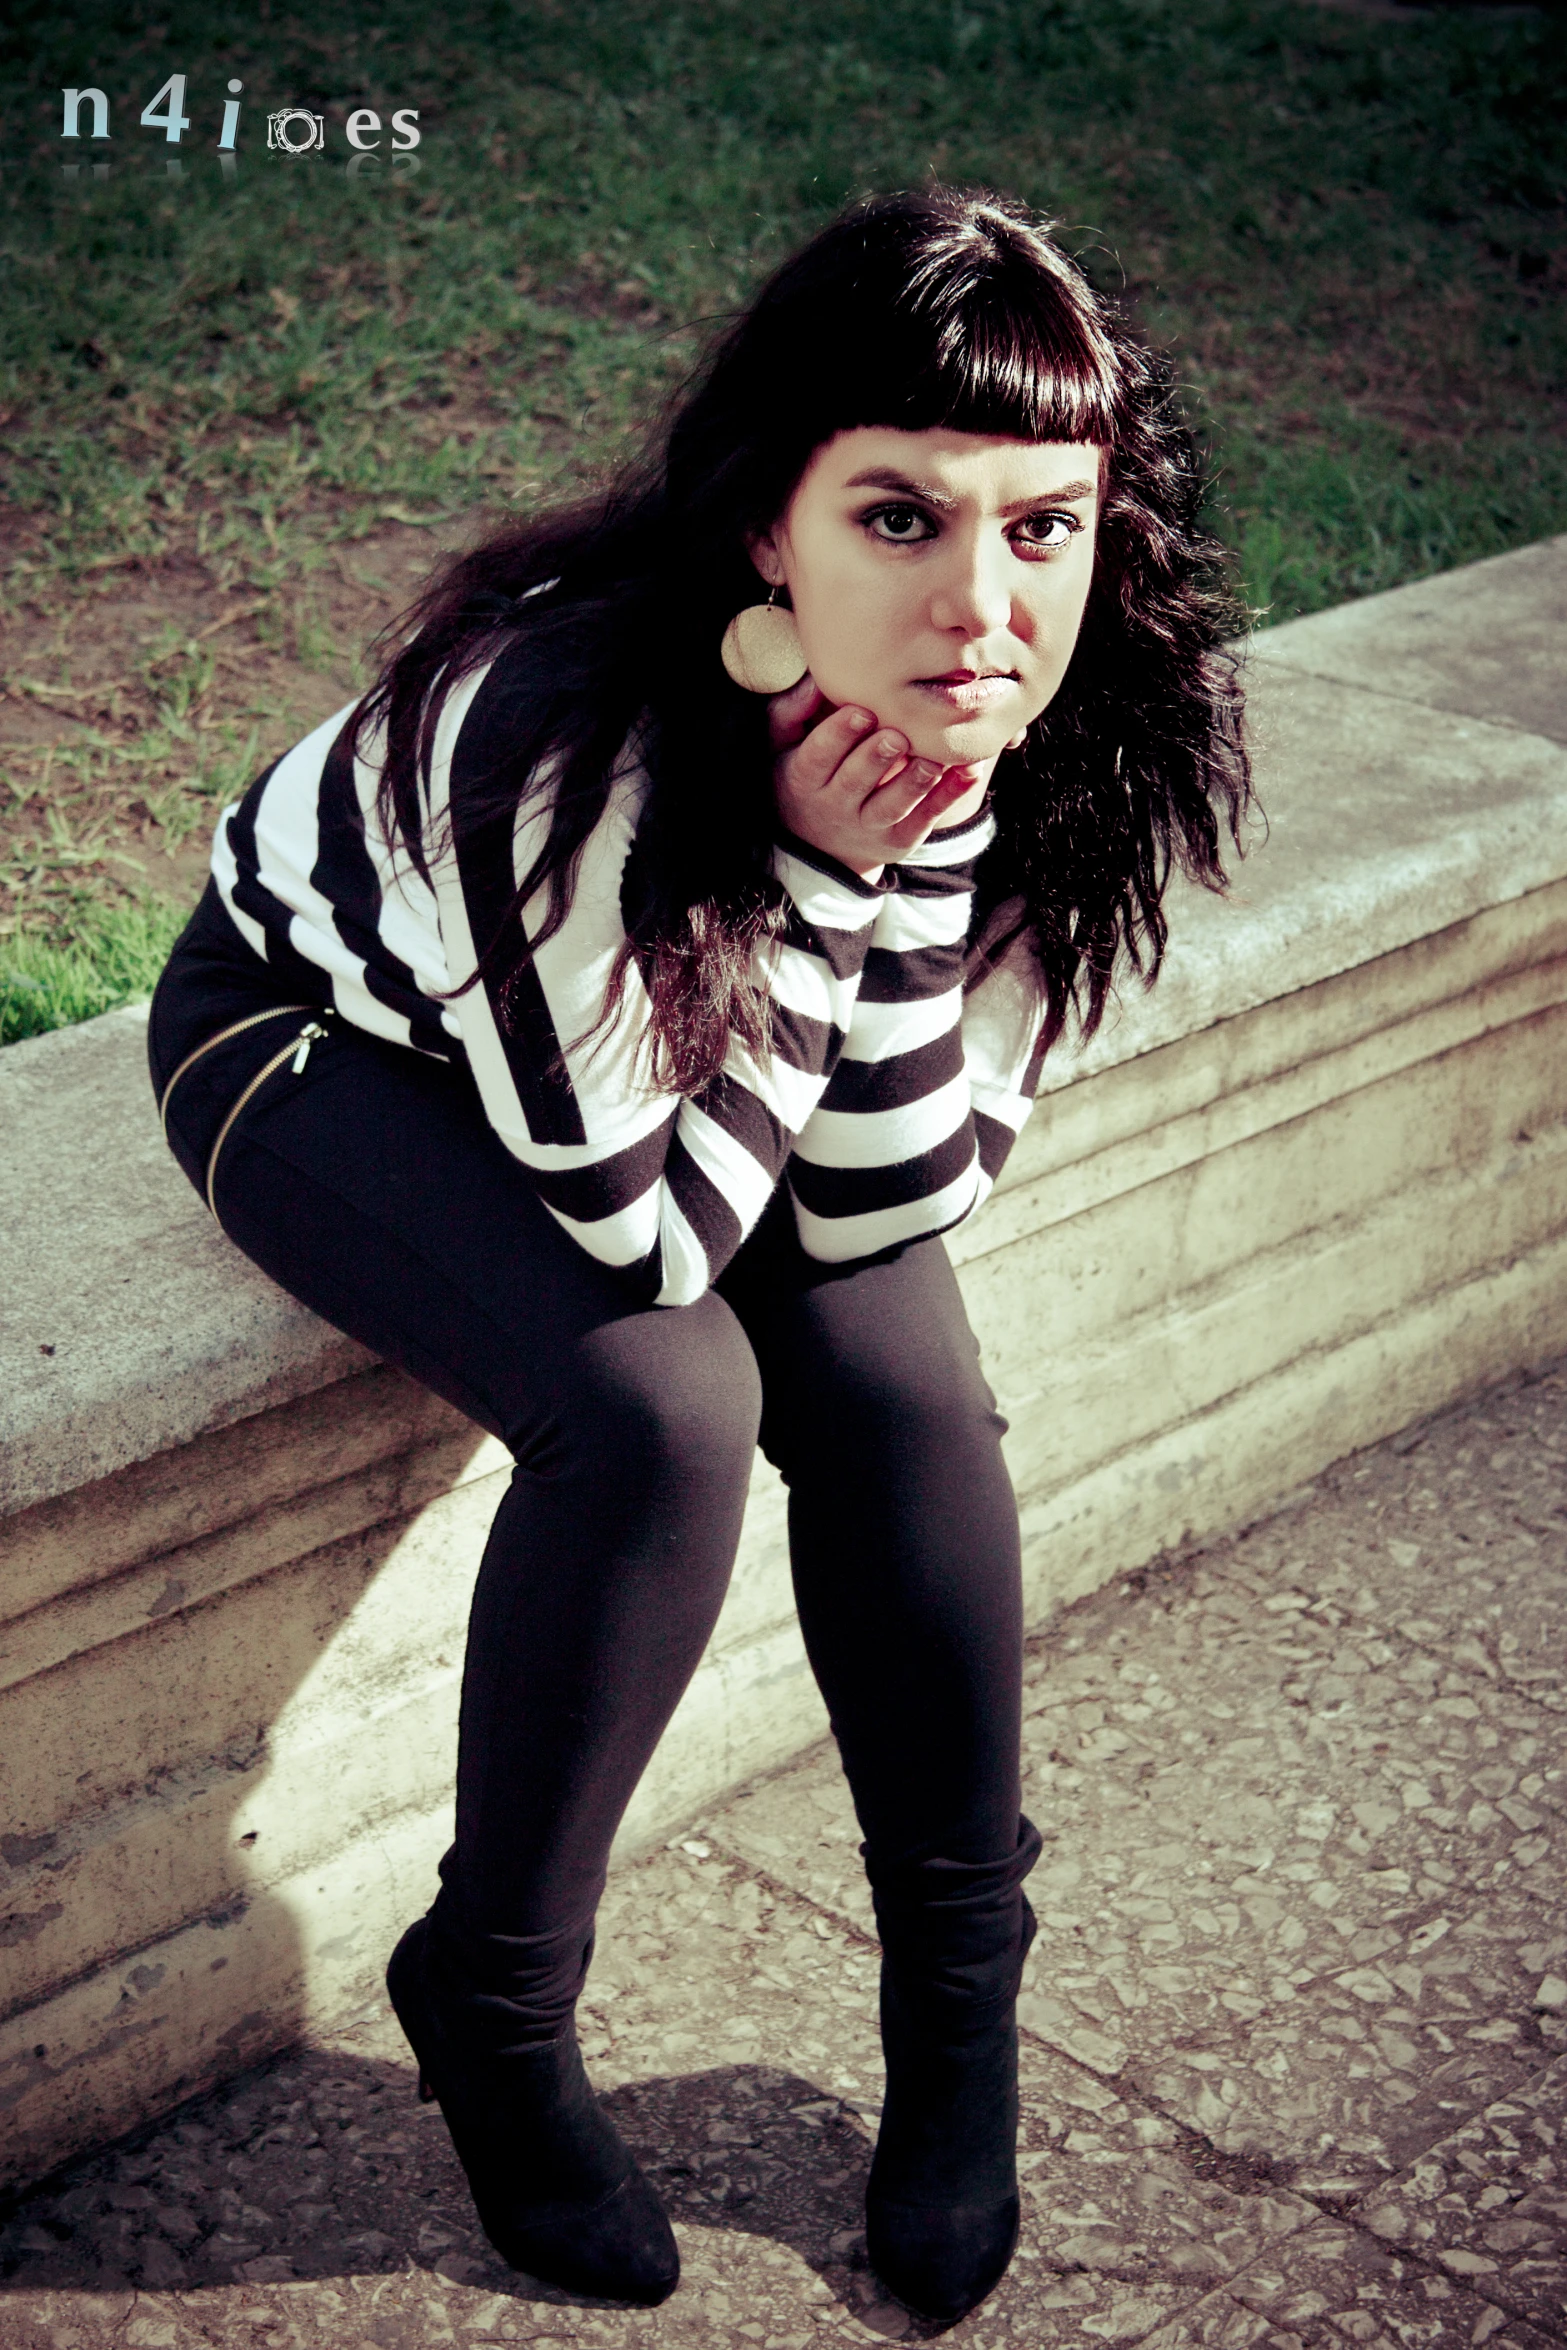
column 1453, row 1537
column 1293, row 2071
column 1490, row 2203
column 733, row 2029
column 1279, row 1937
column 1335, row 2289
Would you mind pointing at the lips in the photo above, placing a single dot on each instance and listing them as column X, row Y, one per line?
column 967, row 692
column 967, row 676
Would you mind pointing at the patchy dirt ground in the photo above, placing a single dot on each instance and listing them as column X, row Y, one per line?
column 131, row 716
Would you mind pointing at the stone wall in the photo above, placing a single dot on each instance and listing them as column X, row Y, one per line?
column 1312, row 1188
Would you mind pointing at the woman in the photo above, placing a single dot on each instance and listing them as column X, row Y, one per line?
column 604, row 1019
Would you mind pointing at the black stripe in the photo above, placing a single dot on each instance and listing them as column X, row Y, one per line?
column 909, row 975
column 703, row 1205
column 483, row 848
column 747, row 1120
column 858, row 1191
column 344, row 873
column 587, row 1194
column 252, row 896
column 936, row 881
column 800, row 1041
column 843, row 951
column 902, row 1078
column 995, row 1139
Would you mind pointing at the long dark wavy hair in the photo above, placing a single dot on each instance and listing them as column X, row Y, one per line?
column 937, row 308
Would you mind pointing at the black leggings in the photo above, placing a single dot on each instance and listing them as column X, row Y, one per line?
column 371, row 1187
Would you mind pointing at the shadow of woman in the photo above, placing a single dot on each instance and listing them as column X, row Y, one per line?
column 319, row 2167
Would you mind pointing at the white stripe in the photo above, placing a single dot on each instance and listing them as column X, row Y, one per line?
column 225, row 871
column 963, row 846
column 885, row 1138
column 834, row 905
column 408, row 922
column 837, row 1240
column 1008, row 1109
column 622, row 1239
column 685, row 1266
column 791, row 1094
column 804, row 983
column 1001, row 1020
column 287, row 834
column 909, row 923
column 724, row 1159
column 881, row 1032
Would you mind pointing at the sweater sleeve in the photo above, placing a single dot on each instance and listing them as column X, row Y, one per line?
column 892, row 1153
column 663, row 1188
column 1003, row 1049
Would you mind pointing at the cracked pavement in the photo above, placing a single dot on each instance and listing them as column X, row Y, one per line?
column 1295, row 2024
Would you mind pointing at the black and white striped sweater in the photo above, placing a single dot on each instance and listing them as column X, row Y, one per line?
column 888, row 1102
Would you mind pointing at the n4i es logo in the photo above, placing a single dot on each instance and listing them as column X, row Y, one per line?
column 293, row 130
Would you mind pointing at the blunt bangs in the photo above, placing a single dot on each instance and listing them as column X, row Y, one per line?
column 981, row 359
column 937, row 309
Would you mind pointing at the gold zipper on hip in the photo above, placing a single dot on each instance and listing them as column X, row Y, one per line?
column 298, row 1051
column 275, row 1012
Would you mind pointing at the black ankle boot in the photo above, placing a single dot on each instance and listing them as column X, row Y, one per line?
column 942, row 2207
column 557, row 2189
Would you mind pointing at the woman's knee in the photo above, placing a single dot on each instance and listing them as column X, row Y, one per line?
column 899, row 1401
column 671, row 1395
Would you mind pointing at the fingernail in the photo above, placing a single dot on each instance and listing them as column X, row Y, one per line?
column 889, row 746
column 927, row 770
column 861, row 721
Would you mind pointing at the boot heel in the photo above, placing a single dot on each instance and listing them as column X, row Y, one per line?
column 556, row 2188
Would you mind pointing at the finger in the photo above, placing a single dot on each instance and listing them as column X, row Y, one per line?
column 791, row 714
column 821, row 757
column 896, row 795
column 923, row 818
column 870, row 761
column 905, row 791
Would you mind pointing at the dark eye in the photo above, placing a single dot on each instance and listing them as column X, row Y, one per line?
column 1055, row 530
column 898, row 518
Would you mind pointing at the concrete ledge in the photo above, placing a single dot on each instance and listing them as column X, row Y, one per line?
column 1313, row 1188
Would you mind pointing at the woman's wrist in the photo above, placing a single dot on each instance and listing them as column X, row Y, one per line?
column 871, row 881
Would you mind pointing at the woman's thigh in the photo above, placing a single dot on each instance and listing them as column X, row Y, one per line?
column 872, row 1364
column 371, row 1187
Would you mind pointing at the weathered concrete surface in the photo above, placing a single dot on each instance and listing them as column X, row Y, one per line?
column 1295, row 2062
column 1311, row 1189
column 128, row 1324
column 1484, row 642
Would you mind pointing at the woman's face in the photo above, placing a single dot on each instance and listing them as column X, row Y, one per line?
column 938, row 578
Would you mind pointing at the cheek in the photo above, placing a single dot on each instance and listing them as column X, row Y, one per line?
column 851, row 629
column 1060, row 619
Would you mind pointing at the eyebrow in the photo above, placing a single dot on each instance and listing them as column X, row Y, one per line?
column 883, row 477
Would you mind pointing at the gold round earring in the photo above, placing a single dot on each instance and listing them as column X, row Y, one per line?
column 761, row 648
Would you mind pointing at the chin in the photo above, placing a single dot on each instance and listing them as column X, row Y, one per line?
column 960, row 742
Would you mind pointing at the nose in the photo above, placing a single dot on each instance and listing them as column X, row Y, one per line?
column 973, row 596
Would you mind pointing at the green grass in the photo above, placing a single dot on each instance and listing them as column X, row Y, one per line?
column 115, row 956
column 1349, row 232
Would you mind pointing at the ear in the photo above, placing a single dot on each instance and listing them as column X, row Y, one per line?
column 762, row 548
